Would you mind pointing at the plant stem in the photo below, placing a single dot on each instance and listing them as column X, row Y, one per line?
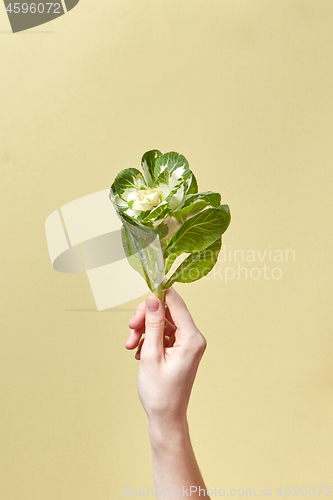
column 160, row 293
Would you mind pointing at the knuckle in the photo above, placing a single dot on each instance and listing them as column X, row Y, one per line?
column 156, row 324
column 196, row 347
column 202, row 343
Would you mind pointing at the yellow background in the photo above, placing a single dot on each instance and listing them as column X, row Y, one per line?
column 244, row 90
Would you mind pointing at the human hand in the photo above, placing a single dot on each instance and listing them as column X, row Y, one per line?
column 166, row 374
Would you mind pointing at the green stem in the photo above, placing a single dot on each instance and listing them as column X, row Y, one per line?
column 160, row 293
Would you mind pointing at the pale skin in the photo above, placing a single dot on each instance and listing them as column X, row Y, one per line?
column 165, row 380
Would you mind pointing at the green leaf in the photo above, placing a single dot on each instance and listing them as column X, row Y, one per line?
column 132, row 254
column 193, row 186
column 128, row 179
column 196, row 203
column 167, row 228
column 131, row 221
column 169, row 260
column 163, row 230
column 214, row 199
column 156, row 213
column 173, row 161
column 173, row 221
column 196, row 265
column 200, row 231
column 143, row 242
column 173, row 181
column 187, row 212
column 148, row 165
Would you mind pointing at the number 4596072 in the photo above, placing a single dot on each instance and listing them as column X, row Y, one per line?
column 33, row 8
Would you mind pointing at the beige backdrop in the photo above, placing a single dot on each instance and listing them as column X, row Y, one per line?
column 244, row 90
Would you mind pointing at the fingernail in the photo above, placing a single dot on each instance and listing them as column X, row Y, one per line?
column 152, row 304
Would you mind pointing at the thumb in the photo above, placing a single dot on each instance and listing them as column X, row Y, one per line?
column 155, row 319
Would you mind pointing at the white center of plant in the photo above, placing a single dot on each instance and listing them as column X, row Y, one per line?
column 149, row 196
column 145, row 199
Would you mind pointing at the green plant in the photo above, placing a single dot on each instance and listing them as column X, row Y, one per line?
column 164, row 216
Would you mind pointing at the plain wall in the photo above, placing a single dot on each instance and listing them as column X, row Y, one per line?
column 244, row 90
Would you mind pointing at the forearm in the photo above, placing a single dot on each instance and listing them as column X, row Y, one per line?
column 173, row 460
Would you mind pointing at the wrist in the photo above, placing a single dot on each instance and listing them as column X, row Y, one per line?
column 167, row 433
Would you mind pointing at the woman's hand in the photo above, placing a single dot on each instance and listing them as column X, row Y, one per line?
column 166, row 374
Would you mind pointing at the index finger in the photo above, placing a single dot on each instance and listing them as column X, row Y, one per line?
column 180, row 314
column 138, row 319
